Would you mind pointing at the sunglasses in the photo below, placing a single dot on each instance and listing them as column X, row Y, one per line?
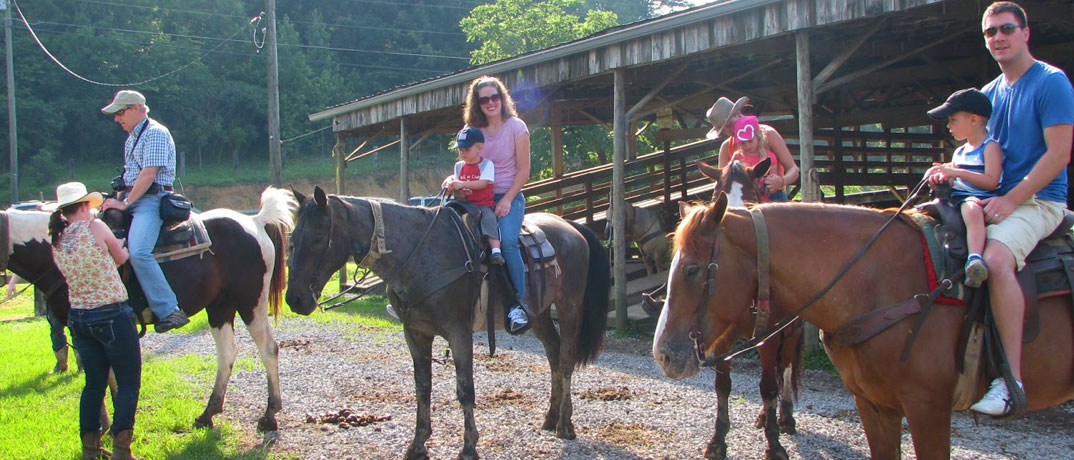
column 120, row 112
column 483, row 100
column 1007, row 29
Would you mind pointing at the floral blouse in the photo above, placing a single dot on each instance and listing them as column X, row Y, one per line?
column 92, row 277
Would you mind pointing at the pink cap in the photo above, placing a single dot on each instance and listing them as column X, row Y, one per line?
column 746, row 128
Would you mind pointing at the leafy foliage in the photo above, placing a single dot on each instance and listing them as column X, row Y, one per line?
column 511, row 27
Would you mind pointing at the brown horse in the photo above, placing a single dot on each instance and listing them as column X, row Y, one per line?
column 645, row 227
column 436, row 295
column 781, row 358
column 710, row 293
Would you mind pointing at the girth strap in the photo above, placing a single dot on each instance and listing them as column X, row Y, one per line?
column 762, row 307
column 377, row 246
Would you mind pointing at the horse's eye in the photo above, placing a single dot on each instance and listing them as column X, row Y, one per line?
column 692, row 271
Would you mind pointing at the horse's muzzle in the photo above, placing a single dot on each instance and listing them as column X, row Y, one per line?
column 301, row 304
column 676, row 358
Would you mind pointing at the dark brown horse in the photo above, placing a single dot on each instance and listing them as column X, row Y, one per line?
column 711, row 289
column 243, row 273
column 781, row 358
column 426, row 268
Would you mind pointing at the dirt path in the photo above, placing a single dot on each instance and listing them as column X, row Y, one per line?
column 624, row 407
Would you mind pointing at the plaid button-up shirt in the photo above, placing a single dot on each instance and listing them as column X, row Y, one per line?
column 154, row 148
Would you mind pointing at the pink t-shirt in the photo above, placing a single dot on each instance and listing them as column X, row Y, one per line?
column 500, row 148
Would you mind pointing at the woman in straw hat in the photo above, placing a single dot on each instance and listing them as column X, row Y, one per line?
column 722, row 115
column 101, row 321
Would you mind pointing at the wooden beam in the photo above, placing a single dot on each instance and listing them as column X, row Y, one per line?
column 842, row 57
column 404, row 162
column 360, row 155
column 810, row 185
column 618, row 196
column 873, row 68
column 630, row 114
column 596, row 120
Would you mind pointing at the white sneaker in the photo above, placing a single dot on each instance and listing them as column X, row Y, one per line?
column 518, row 319
column 997, row 401
column 391, row 311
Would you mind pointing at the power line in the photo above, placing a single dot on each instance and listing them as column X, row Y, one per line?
column 386, row 29
column 231, row 39
column 57, row 61
column 219, row 51
column 304, row 135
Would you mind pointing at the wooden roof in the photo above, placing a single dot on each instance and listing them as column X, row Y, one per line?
column 874, row 61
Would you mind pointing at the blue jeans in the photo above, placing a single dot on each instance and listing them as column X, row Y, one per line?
column 510, row 227
column 145, row 227
column 105, row 337
column 778, row 196
column 56, row 334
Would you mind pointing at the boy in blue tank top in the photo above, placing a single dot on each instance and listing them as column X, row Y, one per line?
column 974, row 171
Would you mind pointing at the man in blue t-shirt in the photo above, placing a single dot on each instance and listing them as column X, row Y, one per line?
column 1033, row 121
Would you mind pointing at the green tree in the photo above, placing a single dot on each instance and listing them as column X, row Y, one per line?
column 511, row 27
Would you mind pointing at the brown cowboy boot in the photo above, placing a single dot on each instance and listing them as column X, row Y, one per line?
column 61, row 360
column 91, row 446
column 121, row 445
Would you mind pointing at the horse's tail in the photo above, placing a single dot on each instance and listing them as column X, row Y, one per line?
column 277, row 218
column 595, row 303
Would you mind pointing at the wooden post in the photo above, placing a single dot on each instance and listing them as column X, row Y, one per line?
column 275, row 154
column 617, row 218
column 404, row 162
column 557, row 151
column 810, row 190
column 339, row 152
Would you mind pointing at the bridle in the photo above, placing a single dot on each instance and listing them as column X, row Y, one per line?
column 760, row 338
column 368, row 257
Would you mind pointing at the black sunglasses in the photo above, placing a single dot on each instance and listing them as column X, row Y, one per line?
column 490, row 98
column 120, row 112
column 1007, row 29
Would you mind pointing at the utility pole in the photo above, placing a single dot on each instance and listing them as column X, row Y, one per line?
column 12, row 132
column 275, row 158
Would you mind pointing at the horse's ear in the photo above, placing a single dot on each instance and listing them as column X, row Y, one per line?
column 715, row 212
column 298, row 196
column 684, row 209
column 319, row 197
column 709, row 171
column 761, row 169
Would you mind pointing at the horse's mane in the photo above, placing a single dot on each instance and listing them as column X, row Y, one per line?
column 683, row 239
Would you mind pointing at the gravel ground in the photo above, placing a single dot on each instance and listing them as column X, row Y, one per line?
column 624, row 407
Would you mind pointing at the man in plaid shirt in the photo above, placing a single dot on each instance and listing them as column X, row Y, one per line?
column 148, row 173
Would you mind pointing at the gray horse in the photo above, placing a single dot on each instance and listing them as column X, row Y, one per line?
column 432, row 281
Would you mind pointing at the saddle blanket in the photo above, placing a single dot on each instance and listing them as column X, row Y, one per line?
column 181, row 240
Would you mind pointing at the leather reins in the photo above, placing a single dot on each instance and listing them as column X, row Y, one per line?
column 759, row 339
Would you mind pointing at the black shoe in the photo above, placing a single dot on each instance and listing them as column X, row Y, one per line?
column 174, row 320
column 496, row 258
column 517, row 320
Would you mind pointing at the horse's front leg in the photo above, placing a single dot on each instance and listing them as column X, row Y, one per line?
column 224, row 337
column 421, row 352
column 717, row 448
column 883, row 429
column 930, row 423
column 462, row 350
column 769, row 386
column 266, row 346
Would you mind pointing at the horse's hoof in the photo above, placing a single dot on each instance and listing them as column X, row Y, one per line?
column 549, row 424
column 203, row 422
column 566, row 433
column 716, row 452
column 761, row 420
column 267, row 424
column 788, row 428
column 414, row 454
column 776, row 454
column 468, row 456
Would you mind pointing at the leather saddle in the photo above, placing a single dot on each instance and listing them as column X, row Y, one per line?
column 175, row 241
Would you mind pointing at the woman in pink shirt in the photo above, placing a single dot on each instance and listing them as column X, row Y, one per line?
column 490, row 108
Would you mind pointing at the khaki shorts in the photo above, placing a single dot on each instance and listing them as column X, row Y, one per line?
column 1030, row 222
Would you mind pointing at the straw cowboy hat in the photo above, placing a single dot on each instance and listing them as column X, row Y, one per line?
column 720, row 112
column 74, row 192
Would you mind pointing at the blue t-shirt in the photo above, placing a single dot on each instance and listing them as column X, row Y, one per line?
column 1043, row 97
column 971, row 160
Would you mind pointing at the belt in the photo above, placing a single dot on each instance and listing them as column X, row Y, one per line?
column 152, row 188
